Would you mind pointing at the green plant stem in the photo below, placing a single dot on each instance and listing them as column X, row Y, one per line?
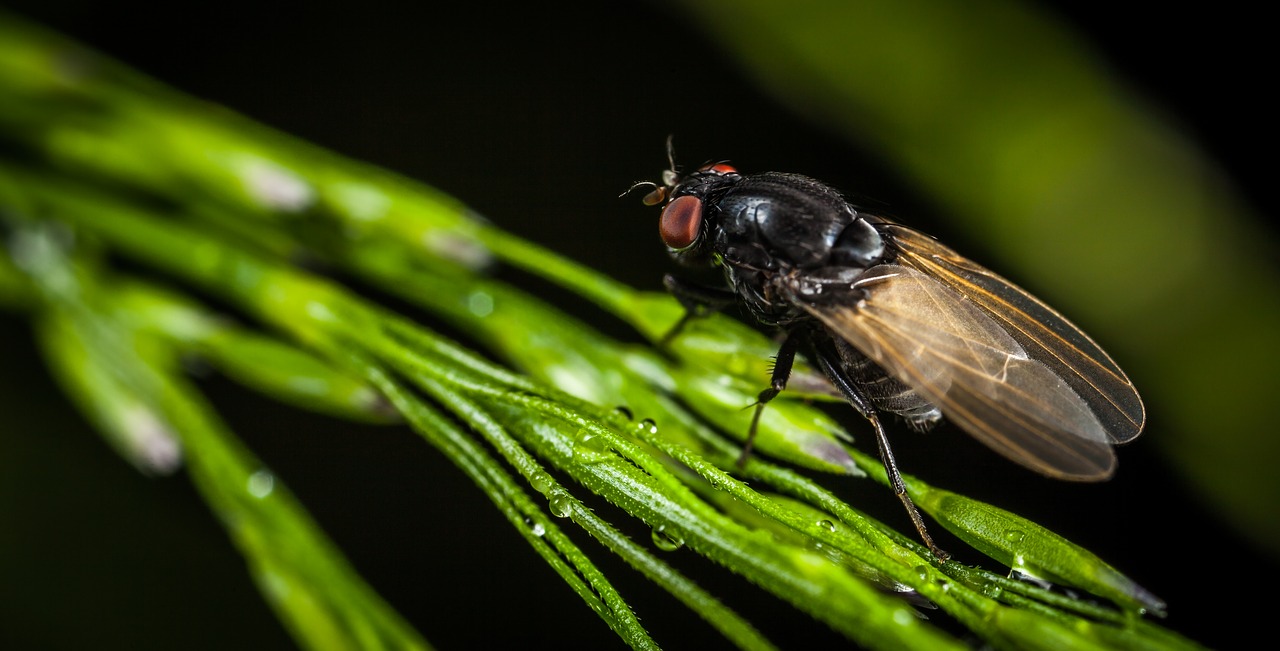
column 564, row 557
column 733, row 627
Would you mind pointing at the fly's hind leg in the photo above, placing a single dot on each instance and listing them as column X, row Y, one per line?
column 831, row 366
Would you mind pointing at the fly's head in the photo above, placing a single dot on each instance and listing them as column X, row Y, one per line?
column 688, row 219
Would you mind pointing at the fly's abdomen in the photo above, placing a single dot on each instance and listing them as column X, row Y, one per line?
column 887, row 393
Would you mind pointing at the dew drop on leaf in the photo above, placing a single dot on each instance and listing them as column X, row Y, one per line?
column 665, row 541
column 540, row 482
column 561, row 505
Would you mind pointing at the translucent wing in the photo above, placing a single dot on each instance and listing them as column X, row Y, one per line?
column 959, row 358
column 1045, row 335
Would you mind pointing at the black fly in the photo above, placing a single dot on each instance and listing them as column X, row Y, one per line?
column 900, row 323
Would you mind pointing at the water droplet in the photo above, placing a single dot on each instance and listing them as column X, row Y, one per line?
column 828, row 525
column 590, row 447
column 274, row 186
column 1014, row 535
column 457, row 247
column 261, row 483
column 624, row 412
column 648, row 425
column 666, row 541
column 992, row 590
column 561, row 505
column 540, row 481
column 923, row 571
column 538, row 529
column 153, row 446
column 480, row 304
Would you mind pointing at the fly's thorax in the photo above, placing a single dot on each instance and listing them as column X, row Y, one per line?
column 785, row 216
column 775, row 220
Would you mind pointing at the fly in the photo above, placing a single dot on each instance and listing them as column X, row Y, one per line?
column 899, row 323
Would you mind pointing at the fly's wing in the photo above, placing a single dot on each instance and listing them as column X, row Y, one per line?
column 955, row 355
column 1046, row 335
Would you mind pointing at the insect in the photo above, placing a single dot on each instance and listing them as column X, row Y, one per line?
column 898, row 322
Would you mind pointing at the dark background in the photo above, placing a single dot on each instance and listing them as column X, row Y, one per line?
column 538, row 116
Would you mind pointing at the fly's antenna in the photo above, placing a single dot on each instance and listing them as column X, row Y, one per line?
column 639, row 184
column 671, row 152
column 670, row 178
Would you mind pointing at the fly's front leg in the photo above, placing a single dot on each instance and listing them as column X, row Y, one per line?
column 831, row 365
column 697, row 300
column 782, row 363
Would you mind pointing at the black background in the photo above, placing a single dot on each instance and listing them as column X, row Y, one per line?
column 538, row 116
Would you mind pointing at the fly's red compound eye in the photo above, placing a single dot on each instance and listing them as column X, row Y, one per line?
column 720, row 168
column 681, row 220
